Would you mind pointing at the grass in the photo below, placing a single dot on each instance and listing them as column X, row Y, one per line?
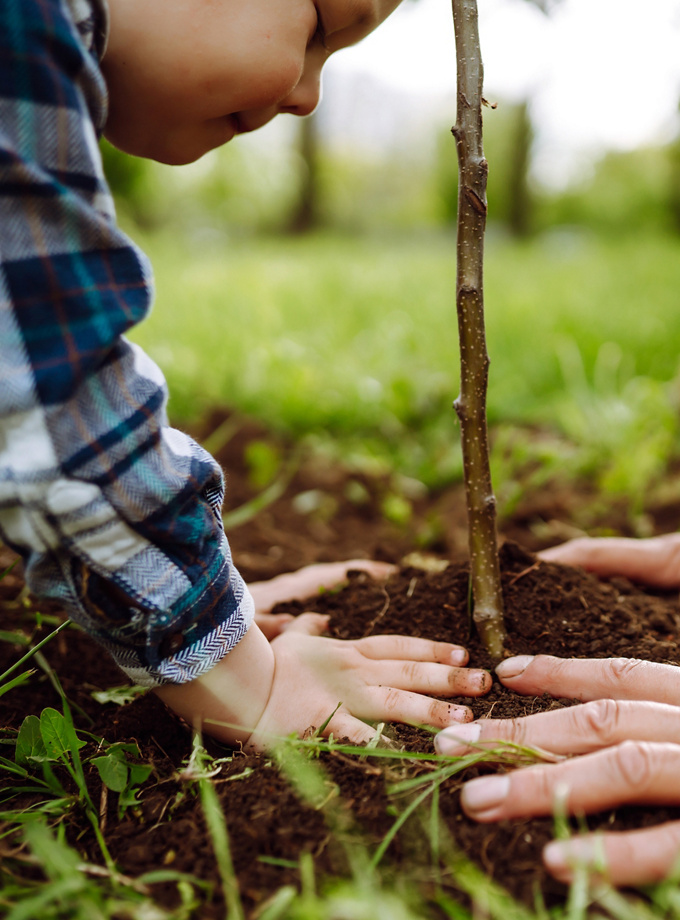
column 355, row 339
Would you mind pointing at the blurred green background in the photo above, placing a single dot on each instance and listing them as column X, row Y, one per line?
column 312, row 287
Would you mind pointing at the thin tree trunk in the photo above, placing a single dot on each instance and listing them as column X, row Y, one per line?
column 474, row 362
column 306, row 215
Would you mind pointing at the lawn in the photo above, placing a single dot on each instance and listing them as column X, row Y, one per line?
column 339, row 331
column 354, row 341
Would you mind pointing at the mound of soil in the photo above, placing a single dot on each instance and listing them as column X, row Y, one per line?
column 550, row 609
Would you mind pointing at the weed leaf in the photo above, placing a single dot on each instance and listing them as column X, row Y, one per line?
column 30, row 746
column 53, row 731
column 113, row 771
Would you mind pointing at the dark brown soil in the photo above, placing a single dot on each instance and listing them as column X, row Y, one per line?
column 549, row 608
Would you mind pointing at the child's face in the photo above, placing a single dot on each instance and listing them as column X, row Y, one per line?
column 185, row 76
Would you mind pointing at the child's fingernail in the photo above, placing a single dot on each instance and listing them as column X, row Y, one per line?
column 459, row 714
column 513, row 667
column 482, row 796
column 454, row 741
column 458, row 657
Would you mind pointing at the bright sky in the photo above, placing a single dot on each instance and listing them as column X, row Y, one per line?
column 601, row 73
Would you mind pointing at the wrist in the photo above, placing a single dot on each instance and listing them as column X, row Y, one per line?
column 228, row 701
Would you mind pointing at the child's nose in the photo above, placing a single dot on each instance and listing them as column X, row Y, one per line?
column 305, row 97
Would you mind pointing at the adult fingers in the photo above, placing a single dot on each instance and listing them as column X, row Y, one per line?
column 636, row 771
column 632, row 858
column 574, row 730
column 654, row 561
column 592, row 678
column 427, row 677
column 410, row 648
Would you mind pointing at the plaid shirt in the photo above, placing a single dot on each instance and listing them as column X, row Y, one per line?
column 115, row 514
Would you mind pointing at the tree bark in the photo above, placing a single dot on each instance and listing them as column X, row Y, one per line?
column 474, row 361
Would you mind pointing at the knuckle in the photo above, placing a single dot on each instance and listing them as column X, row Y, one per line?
column 601, row 719
column 410, row 673
column 539, row 784
column 620, row 670
column 634, row 761
column 513, row 730
column 672, row 563
column 392, row 698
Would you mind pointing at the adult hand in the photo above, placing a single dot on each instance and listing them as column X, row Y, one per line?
column 654, row 561
column 627, row 733
column 305, row 583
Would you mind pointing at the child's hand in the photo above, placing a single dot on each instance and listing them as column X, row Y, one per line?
column 375, row 679
column 306, row 582
column 263, row 691
column 655, row 561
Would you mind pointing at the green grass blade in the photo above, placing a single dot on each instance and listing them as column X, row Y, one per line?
column 32, row 651
column 219, row 835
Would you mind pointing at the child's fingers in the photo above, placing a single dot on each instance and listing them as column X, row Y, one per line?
column 378, row 570
column 387, row 704
column 309, row 624
column 273, row 624
column 343, row 725
column 430, row 678
column 410, row 648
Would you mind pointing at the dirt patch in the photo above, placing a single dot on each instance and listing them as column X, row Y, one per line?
column 550, row 609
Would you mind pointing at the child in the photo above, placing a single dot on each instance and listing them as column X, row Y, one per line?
column 116, row 514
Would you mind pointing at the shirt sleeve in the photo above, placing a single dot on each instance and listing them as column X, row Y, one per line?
column 116, row 514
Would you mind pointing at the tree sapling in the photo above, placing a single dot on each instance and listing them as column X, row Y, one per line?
column 470, row 405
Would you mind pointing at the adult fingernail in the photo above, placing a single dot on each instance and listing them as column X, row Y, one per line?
column 561, row 858
column 458, row 657
column 513, row 667
column 482, row 796
column 454, row 741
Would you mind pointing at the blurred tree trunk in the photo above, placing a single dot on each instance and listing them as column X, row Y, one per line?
column 306, row 215
column 520, row 203
column 674, row 179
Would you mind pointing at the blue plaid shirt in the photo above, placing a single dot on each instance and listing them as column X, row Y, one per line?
column 115, row 514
